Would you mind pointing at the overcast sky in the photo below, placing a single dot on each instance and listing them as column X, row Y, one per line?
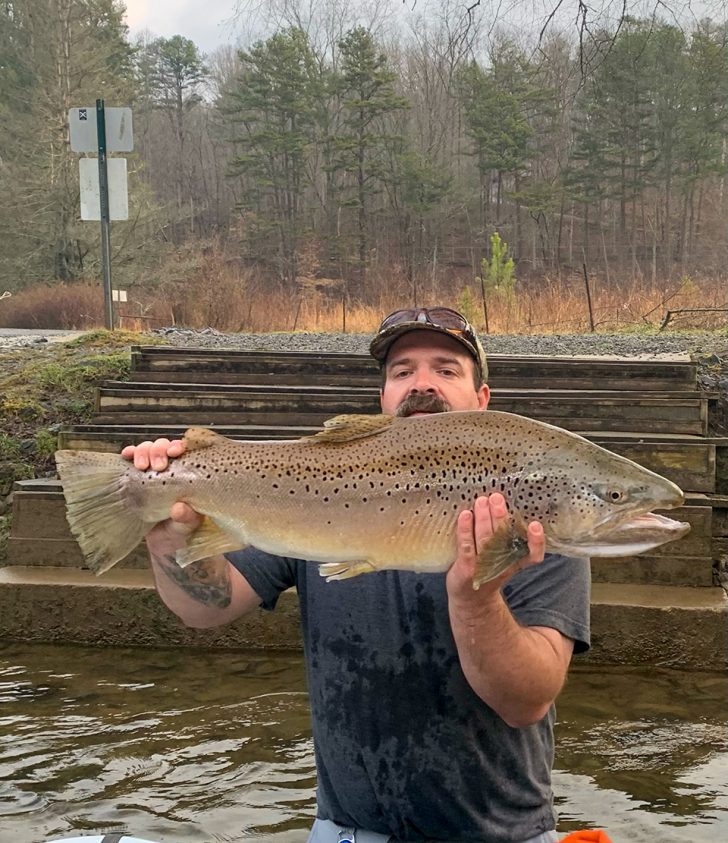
column 206, row 22
column 209, row 22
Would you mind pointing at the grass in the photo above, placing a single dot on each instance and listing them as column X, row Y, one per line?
column 45, row 387
column 214, row 290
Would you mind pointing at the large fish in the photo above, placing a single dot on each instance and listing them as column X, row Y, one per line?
column 374, row 492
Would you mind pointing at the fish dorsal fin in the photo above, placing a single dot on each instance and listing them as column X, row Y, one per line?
column 197, row 438
column 354, row 426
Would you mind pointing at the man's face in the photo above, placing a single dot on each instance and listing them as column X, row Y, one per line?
column 428, row 372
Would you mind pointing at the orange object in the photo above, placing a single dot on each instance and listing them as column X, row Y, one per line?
column 586, row 836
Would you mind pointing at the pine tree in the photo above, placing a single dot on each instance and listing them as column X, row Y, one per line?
column 56, row 54
column 365, row 85
column 274, row 112
column 496, row 115
column 171, row 73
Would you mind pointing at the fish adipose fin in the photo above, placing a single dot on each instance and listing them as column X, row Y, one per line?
column 349, row 427
column 344, row 570
column 504, row 548
column 106, row 527
column 207, row 540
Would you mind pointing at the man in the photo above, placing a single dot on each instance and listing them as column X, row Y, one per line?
column 432, row 703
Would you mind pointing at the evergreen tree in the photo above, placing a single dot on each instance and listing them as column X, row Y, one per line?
column 365, row 85
column 274, row 110
column 171, row 73
column 54, row 54
column 702, row 141
column 497, row 124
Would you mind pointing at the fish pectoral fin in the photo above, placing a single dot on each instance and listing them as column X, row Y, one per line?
column 505, row 547
column 345, row 570
column 208, row 540
column 346, row 428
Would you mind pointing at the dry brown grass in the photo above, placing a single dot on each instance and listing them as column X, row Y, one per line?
column 205, row 288
column 54, row 306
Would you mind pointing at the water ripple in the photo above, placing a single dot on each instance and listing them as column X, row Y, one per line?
column 190, row 746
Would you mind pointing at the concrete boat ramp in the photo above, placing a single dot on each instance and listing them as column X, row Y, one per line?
column 666, row 609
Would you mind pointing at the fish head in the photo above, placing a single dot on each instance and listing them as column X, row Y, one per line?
column 592, row 502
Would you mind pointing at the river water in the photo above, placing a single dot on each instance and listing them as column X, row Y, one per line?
column 210, row 747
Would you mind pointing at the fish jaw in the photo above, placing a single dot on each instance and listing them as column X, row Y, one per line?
column 633, row 536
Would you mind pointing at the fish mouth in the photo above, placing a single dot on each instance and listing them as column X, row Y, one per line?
column 633, row 535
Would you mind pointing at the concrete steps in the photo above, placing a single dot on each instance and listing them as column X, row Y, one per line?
column 679, row 412
column 652, row 411
column 635, row 624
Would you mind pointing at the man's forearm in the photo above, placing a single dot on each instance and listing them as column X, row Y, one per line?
column 199, row 594
column 517, row 670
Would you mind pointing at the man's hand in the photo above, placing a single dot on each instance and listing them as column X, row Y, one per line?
column 155, row 455
column 517, row 670
column 170, row 535
column 475, row 528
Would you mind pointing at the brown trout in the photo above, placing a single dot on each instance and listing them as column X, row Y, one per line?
column 375, row 492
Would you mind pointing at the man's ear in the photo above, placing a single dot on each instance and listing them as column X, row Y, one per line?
column 484, row 396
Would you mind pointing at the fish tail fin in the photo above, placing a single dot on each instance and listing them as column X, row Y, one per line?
column 102, row 519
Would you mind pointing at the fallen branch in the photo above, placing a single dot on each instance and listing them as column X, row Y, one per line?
column 670, row 313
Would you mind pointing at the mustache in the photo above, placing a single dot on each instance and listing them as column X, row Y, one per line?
column 422, row 403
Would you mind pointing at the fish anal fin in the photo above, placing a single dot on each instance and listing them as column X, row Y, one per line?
column 208, row 540
column 197, row 438
column 346, row 428
column 505, row 547
column 345, row 570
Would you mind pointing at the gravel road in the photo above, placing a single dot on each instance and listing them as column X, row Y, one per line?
column 622, row 345
column 24, row 337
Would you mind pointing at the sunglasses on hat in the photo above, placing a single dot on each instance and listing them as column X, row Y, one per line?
column 442, row 319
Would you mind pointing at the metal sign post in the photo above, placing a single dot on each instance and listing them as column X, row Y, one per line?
column 105, row 221
column 103, row 188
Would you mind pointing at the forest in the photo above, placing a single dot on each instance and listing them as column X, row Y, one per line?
column 349, row 158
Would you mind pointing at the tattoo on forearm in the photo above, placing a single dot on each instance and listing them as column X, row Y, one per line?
column 205, row 583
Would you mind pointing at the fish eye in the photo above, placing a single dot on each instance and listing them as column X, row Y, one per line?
column 610, row 494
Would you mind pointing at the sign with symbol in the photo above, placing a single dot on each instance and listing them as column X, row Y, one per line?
column 84, row 137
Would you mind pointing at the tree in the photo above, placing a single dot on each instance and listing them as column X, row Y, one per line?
column 365, row 86
column 494, row 103
column 55, row 54
column 701, row 146
column 170, row 74
column 274, row 110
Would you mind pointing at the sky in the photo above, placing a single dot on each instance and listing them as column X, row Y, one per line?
column 209, row 23
column 206, row 22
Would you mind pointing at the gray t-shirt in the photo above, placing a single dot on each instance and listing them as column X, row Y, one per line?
column 403, row 744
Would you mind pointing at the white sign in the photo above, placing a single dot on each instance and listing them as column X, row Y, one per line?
column 118, row 295
column 91, row 195
column 119, row 130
